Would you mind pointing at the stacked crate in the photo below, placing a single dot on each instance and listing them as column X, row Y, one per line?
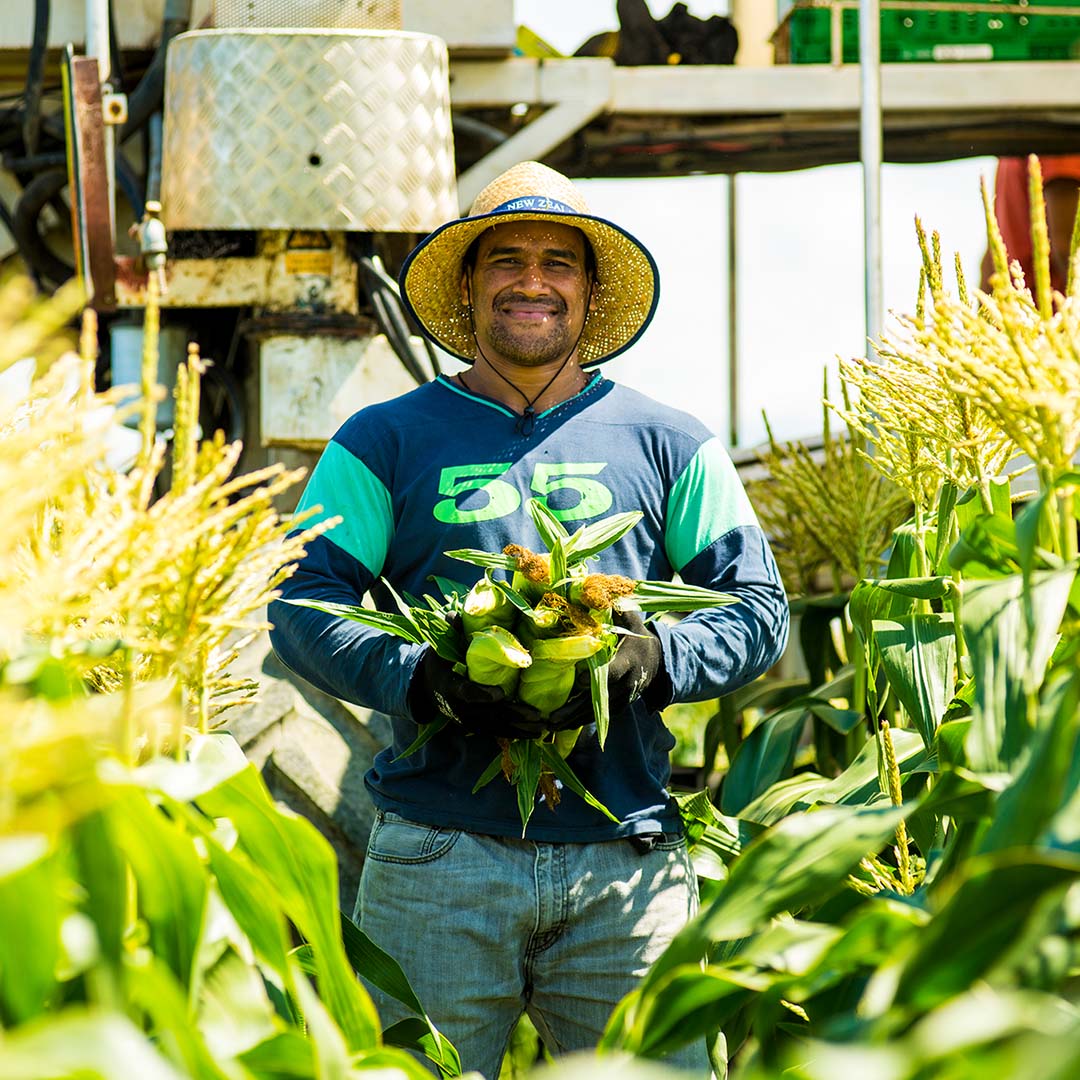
column 814, row 31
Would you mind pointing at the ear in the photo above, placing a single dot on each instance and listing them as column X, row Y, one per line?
column 591, row 305
column 466, row 290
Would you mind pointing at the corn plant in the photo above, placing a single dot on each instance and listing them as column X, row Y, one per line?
column 917, row 914
column 163, row 918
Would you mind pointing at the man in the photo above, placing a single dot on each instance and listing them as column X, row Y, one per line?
column 532, row 292
column 1012, row 208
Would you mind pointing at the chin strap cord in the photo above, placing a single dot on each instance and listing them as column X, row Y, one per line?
column 527, row 421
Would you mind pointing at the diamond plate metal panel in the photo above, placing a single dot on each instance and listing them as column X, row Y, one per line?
column 325, row 14
column 344, row 130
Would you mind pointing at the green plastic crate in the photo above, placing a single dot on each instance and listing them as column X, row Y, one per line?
column 946, row 35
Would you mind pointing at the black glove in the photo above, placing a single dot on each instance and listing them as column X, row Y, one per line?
column 638, row 663
column 436, row 689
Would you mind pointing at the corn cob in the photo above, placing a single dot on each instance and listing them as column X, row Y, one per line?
column 495, row 658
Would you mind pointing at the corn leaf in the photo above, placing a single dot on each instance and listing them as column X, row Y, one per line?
column 765, row 756
column 674, row 596
column 987, row 914
column 303, row 867
column 426, row 732
column 799, row 861
column 557, row 565
column 173, row 883
column 412, row 1033
column 380, row 969
column 525, row 754
column 83, row 1042
column 589, row 540
column 512, row 595
column 1011, row 628
column 918, row 653
column 569, row 779
column 489, row 773
column 401, row 625
column 1047, row 777
column 550, row 528
column 29, row 947
column 598, row 687
column 439, row 634
column 488, row 559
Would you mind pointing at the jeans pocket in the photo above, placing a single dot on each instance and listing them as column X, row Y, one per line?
column 395, row 839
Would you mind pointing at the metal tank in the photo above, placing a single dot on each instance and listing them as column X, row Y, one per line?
column 313, row 129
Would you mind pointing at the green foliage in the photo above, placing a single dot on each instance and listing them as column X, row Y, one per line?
column 909, row 908
column 162, row 917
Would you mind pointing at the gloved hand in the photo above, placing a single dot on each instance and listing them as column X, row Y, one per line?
column 436, row 689
column 637, row 662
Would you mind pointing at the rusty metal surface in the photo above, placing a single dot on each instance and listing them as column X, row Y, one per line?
column 267, row 280
column 93, row 212
column 337, row 130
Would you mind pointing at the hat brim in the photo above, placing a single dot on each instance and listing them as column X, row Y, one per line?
column 627, row 287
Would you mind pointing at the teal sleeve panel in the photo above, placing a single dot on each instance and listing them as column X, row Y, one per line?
column 706, row 502
column 343, row 484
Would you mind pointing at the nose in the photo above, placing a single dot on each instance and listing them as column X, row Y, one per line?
column 531, row 279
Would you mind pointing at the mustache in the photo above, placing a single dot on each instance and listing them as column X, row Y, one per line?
column 557, row 304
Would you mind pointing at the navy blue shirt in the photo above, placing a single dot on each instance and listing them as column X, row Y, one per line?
column 441, row 468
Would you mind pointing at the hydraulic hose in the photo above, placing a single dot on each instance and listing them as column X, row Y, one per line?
column 24, row 225
column 147, row 97
column 35, row 78
column 390, row 316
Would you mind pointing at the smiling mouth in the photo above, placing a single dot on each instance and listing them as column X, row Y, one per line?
column 527, row 312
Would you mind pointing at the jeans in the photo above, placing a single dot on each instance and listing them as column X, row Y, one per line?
column 489, row 927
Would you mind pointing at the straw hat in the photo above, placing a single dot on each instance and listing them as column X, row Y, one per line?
column 627, row 282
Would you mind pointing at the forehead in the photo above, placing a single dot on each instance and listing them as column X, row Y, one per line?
column 533, row 235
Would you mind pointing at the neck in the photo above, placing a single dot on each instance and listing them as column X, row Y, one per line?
column 517, row 387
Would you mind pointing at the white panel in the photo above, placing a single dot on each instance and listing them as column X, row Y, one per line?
column 309, row 386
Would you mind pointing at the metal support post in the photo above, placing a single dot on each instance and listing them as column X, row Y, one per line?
column 733, row 310
column 870, row 152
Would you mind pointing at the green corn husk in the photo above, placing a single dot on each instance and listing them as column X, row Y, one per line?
column 495, row 658
column 485, row 606
column 566, row 650
column 546, row 685
column 537, row 622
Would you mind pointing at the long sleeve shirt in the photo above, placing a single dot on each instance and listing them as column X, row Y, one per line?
column 440, row 469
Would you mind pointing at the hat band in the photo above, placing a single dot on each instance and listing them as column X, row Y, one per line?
column 533, row 202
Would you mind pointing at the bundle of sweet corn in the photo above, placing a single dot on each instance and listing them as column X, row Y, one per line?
column 531, row 636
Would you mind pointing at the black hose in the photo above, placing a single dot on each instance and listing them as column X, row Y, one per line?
column 404, row 323
column 24, row 226
column 391, row 318
column 147, row 97
column 383, row 308
column 479, row 129
column 47, row 160
column 35, row 78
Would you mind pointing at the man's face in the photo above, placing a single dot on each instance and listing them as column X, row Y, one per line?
column 529, row 291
